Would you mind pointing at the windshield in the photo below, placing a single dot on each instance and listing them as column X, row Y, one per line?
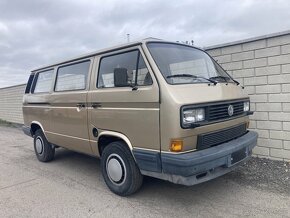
column 181, row 64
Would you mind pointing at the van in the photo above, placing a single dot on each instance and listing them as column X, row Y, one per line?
column 149, row 108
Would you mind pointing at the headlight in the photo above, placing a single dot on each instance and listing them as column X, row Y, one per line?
column 246, row 106
column 190, row 116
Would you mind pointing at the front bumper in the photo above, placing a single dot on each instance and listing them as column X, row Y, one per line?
column 200, row 166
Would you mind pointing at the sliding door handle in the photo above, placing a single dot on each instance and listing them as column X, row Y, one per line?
column 80, row 107
column 96, row 105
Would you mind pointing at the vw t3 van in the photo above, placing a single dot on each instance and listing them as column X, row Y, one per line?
column 148, row 108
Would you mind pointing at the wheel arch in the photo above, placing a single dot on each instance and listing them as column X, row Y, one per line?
column 107, row 137
column 35, row 125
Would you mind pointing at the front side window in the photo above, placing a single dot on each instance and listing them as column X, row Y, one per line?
column 43, row 81
column 123, row 70
column 72, row 77
column 181, row 64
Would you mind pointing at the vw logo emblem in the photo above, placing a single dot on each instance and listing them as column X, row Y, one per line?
column 230, row 110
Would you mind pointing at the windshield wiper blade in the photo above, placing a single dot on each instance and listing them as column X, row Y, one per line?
column 237, row 82
column 225, row 78
column 181, row 75
column 192, row 76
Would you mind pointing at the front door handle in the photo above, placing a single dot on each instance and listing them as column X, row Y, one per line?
column 81, row 105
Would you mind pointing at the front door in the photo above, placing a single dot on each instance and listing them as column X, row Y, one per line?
column 69, row 119
column 124, row 98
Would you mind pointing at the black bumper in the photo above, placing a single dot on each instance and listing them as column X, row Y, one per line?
column 199, row 166
column 201, row 161
column 27, row 130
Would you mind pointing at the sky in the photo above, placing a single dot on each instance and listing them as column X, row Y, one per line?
column 34, row 33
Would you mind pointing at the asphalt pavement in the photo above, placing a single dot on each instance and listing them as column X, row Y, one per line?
column 72, row 186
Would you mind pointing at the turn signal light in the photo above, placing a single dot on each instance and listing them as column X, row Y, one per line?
column 176, row 145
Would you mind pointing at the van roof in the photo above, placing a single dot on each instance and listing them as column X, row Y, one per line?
column 130, row 44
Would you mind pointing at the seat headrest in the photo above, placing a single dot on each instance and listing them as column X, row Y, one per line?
column 120, row 77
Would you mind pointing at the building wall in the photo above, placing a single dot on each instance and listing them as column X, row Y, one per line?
column 11, row 103
column 262, row 65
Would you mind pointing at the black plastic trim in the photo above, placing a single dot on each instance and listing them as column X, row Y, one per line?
column 147, row 160
column 192, row 163
column 250, row 112
column 27, row 130
column 221, row 136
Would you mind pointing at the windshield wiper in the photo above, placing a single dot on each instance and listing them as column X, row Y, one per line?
column 225, row 78
column 192, row 76
column 237, row 82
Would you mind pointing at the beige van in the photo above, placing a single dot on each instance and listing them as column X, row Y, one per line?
column 149, row 108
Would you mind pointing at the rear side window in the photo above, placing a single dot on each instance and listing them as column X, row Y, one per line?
column 72, row 77
column 29, row 83
column 129, row 68
column 43, row 81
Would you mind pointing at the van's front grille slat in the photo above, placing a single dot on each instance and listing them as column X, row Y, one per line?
column 215, row 138
column 220, row 111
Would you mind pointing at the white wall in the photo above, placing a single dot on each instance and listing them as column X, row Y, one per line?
column 262, row 65
column 11, row 103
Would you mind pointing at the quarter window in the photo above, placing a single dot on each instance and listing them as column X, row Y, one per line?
column 29, row 83
column 72, row 77
column 43, row 81
column 143, row 75
column 127, row 67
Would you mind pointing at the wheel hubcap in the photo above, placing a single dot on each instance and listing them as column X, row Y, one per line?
column 116, row 169
column 39, row 145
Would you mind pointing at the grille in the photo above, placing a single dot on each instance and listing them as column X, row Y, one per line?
column 220, row 111
column 215, row 138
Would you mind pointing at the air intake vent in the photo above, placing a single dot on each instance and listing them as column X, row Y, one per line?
column 215, row 138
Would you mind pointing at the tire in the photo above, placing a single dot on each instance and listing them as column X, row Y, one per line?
column 43, row 149
column 120, row 170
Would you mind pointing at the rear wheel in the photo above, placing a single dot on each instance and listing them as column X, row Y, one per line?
column 119, row 169
column 43, row 149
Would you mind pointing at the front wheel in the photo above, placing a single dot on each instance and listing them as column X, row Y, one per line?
column 119, row 169
column 43, row 149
